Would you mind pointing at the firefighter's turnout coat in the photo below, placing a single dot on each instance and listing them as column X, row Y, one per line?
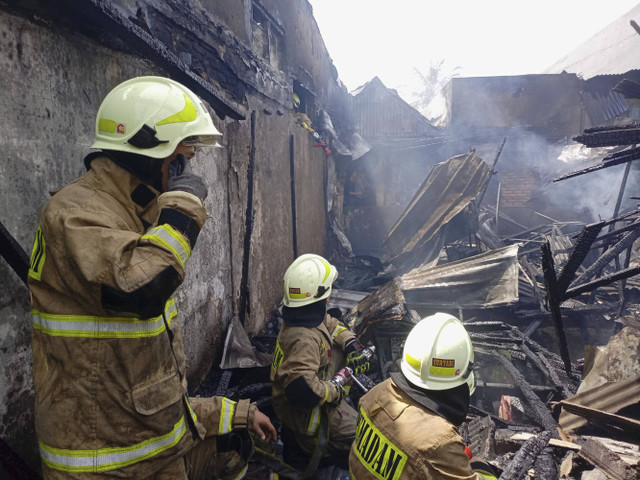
column 303, row 363
column 399, row 439
column 108, row 359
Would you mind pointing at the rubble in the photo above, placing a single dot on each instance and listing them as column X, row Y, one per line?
column 556, row 341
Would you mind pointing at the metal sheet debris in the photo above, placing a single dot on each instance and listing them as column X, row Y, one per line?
column 481, row 281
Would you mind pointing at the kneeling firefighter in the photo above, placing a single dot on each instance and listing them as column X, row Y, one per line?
column 111, row 248
column 311, row 348
column 407, row 425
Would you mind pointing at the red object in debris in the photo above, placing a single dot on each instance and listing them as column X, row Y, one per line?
column 504, row 411
column 467, row 450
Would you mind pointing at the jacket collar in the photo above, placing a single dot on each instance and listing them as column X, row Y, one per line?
column 309, row 316
column 451, row 404
column 123, row 185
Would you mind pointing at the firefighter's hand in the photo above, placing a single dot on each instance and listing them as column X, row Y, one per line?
column 263, row 427
column 187, row 181
column 355, row 357
column 339, row 390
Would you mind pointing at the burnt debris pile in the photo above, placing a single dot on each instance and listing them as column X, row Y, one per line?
column 553, row 311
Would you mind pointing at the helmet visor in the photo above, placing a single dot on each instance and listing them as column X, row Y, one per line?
column 201, row 141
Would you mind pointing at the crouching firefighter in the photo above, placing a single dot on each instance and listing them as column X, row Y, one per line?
column 408, row 425
column 311, row 348
column 110, row 250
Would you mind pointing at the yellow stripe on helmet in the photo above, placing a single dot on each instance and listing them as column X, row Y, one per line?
column 187, row 114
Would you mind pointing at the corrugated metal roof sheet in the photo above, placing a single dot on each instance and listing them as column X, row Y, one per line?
column 610, row 397
column 604, row 106
column 380, row 112
column 613, row 50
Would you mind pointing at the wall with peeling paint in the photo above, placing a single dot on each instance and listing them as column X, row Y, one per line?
column 58, row 64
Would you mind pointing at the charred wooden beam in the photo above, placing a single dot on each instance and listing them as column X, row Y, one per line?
column 603, row 419
column 94, row 16
column 475, row 410
column 610, row 161
column 294, row 217
column 376, row 305
column 526, row 457
column 554, row 298
column 508, row 436
column 539, row 410
column 580, row 251
column 548, row 370
column 608, row 256
column 245, row 304
column 13, row 253
column 608, row 461
column 481, row 432
column 508, row 389
column 610, row 136
column 548, row 357
column 614, row 277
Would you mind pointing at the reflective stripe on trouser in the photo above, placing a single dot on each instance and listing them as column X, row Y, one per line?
column 242, row 473
column 314, row 421
column 86, row 326
column 106, row 459
column 342, row 430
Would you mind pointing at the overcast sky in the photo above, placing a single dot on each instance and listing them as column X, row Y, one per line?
column 388, row 38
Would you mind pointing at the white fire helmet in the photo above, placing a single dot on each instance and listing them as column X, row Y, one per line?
column 308, row 280
column 150, row 116
column 438, row 354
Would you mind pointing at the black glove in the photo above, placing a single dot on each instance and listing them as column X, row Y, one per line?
column 341, row 392
column 356, row 358
column 187, row 181
column 239, row 442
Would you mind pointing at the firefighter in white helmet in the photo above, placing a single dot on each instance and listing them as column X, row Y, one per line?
column 110, row 250
column 407, row 425
column 311, row 348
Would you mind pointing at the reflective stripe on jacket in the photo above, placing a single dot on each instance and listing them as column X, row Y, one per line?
column 108, row 359
column 398, row 439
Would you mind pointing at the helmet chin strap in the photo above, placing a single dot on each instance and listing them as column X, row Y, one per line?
column 146, row 138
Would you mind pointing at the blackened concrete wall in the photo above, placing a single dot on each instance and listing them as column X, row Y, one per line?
column 56, row 68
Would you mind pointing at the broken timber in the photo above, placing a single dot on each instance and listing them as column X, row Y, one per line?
column 608, row 461
column 557, row 286
column 375, row 308
column 609, row 161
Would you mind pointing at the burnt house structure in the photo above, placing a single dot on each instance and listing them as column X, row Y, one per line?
column 379, row 184
column 538, row 115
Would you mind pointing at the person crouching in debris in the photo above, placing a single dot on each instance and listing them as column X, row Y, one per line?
column 407, row 425
column 305, row 360
column 111, row 248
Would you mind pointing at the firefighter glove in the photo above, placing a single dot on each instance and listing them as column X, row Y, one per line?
column 339, row 390
column 356, row 359
column 239, row 442
column 187, row 181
